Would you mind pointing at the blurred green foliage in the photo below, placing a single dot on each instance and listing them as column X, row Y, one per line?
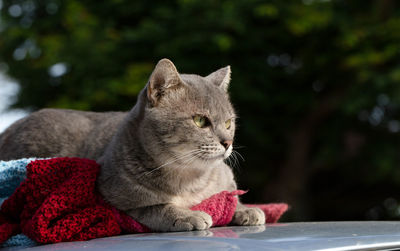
column 315, row 82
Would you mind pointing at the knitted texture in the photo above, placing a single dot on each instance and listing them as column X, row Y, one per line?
column 58, row 202
column 272, row 211
column 12, row 173
column 19, row 240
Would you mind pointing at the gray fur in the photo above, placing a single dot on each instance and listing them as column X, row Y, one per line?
column 155, row 162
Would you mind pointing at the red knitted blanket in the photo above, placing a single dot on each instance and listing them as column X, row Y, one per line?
column 58, row 202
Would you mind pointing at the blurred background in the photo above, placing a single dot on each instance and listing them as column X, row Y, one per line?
column 315, row 83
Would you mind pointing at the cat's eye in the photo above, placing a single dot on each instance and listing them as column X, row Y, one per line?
column 228, row 124
column 201, row 121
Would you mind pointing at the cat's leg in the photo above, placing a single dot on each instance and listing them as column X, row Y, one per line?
column 247, row 216
column 168, row 217
column 243, row 216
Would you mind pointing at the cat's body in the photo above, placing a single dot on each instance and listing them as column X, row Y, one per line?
column 157, row 160
column 59, row 132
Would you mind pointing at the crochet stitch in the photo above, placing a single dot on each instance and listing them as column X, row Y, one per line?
column 58, row 202
column 12, row 173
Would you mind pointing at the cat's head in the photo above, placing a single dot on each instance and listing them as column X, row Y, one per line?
column 189, row 116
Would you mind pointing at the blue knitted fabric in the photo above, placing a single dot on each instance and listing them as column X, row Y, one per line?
column 20, row 241
column 12, row 173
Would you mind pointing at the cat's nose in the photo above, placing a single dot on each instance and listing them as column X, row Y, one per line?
column 226, row 143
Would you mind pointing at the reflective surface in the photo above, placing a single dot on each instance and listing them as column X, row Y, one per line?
column 290, row 236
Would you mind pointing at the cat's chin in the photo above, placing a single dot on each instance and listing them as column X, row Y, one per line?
column 226, row 155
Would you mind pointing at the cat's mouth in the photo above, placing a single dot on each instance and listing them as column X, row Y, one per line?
column 214, row 151
column 228, row 152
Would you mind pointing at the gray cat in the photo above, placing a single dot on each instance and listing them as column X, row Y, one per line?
column 164, row 156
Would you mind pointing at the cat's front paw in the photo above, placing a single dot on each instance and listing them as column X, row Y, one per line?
column 248, row 217
column 196, row 220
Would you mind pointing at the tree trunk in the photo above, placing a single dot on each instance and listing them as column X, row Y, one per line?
column 291, row 182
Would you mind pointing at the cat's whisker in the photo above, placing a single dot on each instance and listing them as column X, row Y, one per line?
column 173, row 160
column 235, row 160
column 189, row 162
column 181, row 157
column 241, row 156
column 184, row 164
column 229, row 161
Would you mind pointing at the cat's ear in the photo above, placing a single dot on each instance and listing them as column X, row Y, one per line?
column 221, row 77
column 164, row 77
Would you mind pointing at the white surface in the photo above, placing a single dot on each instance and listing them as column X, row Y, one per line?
column 8, row 91
column 284, row 236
